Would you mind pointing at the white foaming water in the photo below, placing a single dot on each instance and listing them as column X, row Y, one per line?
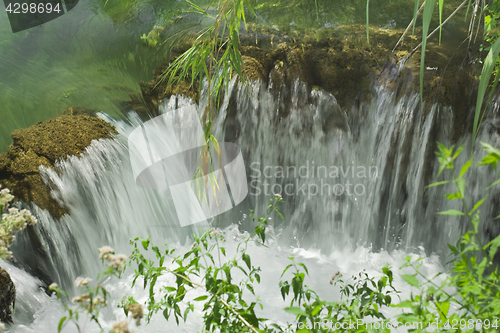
column 39, row 312
column 276, row 130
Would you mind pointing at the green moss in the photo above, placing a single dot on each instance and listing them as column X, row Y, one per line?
column 43, row 144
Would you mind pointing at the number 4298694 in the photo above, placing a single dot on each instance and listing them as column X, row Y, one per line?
column 32, row 8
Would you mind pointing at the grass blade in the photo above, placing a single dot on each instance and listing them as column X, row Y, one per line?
column 489, row 65
column 415, row 13
column 441, row 3
column 426, row 21
column 368, row 21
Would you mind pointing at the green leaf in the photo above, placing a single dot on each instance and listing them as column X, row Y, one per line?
column 481, row 267
column 250, row 288
column 488, row 66
column 198, row 8
column 444, row 307
column 61, row 322
column 304, row 267
column 490, row 149
column 495, row 244
column 466, row 165
column 438, row 183
column 316, row 310
column 201, row 298
column 246, row 259
column 415, row 11
column 494, row 184
column 441, row 2
column 284, row 271
column 296, row 311
column 411, row 279
column 475, row 221
column 426, row 21
column 479, row 203
column 461, row 186
column 459, row 150
column 453, row 249
column 454, row 196
column 452, row 212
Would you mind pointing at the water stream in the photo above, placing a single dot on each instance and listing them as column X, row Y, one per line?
column 384, row 149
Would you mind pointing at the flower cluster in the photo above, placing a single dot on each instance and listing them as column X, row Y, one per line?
column 136, row 311
column 5, row 197
column 82, row 281
column 334, row 276
column 86, row 301
column 115, row 261
column 121, row 327
column 11, row 221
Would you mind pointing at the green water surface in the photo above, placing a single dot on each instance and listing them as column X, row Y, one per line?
column 93, row 56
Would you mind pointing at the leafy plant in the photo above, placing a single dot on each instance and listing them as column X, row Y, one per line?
column 468, row 299
column 215, row 53
column 224, row 305
column 93, row 299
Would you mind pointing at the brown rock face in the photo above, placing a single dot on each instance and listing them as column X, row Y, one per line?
column 43, row 144
column 7, row 296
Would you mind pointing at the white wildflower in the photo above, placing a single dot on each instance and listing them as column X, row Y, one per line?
column 53, row 286
column 278, row 196
column 116, row 261
column 121, row 257
column 5, row 197
column 121, row 327
column 98, row 300
column 12, row 221
column 136, row 311
column 80, row 281
column 4, row 253
column 105, row 251
column 13, row 211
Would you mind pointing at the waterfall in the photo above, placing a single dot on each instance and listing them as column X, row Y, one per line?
column 353, row 186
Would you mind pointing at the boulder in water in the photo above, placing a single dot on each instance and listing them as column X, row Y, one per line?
column 43, row 144
column 7, row 296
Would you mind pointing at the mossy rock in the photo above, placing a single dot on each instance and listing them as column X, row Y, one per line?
column 340, row 61
column 43, row 144
column 7, row 296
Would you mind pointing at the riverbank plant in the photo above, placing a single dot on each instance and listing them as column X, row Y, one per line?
column 12, row 220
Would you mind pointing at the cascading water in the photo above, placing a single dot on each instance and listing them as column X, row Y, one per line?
column 297, row 143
